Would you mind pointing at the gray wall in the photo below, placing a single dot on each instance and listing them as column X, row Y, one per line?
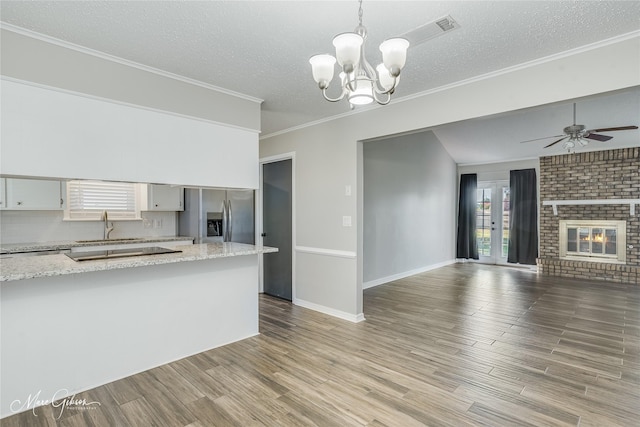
column 409, row 205
column 328, row 154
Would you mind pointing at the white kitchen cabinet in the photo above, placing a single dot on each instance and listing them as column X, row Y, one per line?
column 156, row 197
column 33, row 194
column 3, row 194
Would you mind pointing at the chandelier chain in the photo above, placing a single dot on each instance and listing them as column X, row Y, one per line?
column 360, row 12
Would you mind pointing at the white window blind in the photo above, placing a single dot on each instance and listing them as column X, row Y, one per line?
column 89, row 199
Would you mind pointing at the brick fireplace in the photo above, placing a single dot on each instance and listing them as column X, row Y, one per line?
column 600, row 175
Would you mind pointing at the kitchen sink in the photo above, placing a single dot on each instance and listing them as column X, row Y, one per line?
column 128, row 239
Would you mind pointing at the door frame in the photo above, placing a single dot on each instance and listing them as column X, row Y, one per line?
column 495, row 258
column 259, row 216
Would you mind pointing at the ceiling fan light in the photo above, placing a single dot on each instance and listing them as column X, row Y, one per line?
column 348, row 49
column 394, row 53
column 322, row 68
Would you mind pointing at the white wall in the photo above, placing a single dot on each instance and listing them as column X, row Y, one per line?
column 48, row 226
column 68, row 112
column 66, row 334
column 409, row 207
column 327, row 154
column 53, row 134
column 499, row 171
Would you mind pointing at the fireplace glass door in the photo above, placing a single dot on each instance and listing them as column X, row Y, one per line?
column 592, row 241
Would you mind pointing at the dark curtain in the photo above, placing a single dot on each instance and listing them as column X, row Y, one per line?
column 466, row 241
column 523, row 214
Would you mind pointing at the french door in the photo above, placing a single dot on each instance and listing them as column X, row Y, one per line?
column 492, row 221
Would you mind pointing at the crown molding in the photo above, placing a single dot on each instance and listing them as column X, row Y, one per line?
column 486, row 76
column 122, row 61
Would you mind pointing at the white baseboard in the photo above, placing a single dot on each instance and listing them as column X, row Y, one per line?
column 383, row 280
column 355, row 318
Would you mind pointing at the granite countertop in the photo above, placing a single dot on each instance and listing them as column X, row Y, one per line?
column 20, row 268
column 63, row 245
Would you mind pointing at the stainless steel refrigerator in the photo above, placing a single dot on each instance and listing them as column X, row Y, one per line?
column 218, row 215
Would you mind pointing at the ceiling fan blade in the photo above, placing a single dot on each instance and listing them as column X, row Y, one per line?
column 538, row 139
column 612, row 129
column 555, row 142
column 430, row 30
column 601, row 138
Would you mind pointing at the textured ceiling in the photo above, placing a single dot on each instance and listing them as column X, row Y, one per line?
column 261, row 48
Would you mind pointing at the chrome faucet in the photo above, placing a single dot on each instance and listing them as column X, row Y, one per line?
column 107, row 229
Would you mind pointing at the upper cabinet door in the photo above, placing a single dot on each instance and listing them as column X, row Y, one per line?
column 33, row 194
column 164, row 198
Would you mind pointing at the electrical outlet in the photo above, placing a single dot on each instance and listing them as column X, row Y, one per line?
column 147, row 223
column 346, row 221
column 158, row 223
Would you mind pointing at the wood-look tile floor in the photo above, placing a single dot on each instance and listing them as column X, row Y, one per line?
column 467, row 344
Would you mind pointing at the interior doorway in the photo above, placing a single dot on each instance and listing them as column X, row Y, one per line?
column 492, row 221
column 277, row 227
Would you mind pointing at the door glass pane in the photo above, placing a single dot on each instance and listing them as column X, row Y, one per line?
column 505, row 221
column 483, row 221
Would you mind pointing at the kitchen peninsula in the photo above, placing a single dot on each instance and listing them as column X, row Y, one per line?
column 69, row 326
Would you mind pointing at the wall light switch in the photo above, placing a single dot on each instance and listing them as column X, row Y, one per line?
column 158, row 223
column 346, row 221
column 347, row 190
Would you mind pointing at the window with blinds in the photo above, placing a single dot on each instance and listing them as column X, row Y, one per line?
column 89, row 199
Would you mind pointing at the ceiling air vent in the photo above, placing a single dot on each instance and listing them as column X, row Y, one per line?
column 446, row 23
column 430, row 30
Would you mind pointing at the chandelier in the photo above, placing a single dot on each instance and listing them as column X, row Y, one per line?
column 361, row 84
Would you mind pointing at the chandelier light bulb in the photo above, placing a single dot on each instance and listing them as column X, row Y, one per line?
column 348, row 50
column 322, row 67
column 363, row 94
column 394, row 54
column 385, row 78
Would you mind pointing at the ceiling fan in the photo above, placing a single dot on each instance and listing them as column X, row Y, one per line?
column 577, row 135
